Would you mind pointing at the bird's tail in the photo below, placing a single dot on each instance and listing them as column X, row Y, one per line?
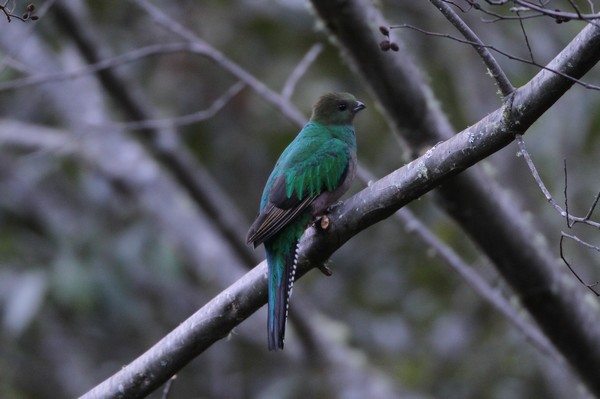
column 282, row 259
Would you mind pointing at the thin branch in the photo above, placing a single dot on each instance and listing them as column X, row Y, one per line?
column 536, row 175
column 537, row 10
column 570, row 218
column 580, row 241
column 565, row 193
column 507, row 55
column 588, row 215
column 183, row 120
column 108, row 63
column 524, row 32
column 563, row 235
column 495, row 70
column 273, row 98
column 300, row 70
column 8, row 9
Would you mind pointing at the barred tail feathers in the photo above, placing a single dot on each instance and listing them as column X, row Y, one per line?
column 282, row 260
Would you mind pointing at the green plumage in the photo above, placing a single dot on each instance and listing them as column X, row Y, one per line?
column 311, row 174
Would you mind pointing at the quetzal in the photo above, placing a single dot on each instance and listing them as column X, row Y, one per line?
column 311, row 174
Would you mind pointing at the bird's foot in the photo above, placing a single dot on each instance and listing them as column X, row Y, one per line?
column 324, row 222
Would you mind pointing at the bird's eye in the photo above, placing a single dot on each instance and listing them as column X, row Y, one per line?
column 342, row 107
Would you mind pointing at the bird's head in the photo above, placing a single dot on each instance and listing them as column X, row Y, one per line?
column 336, row 109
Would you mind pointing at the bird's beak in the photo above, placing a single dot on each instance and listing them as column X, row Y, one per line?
column 358, row 107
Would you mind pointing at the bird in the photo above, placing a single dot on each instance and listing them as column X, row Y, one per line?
column 311, row 174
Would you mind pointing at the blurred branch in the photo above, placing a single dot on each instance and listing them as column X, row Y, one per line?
column 477, row 283
column 163, row 140
column 300, row 70
column 290, row 112
column 42, row 139
column 346, row 369
column 563, row 212
column 123, row 161
column 184, row 120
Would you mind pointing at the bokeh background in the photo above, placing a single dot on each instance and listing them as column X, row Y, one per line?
column 104, row 248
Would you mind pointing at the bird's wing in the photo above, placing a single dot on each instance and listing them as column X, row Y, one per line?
column 319, row 166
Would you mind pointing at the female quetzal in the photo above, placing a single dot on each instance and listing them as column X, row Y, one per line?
column 311, row 174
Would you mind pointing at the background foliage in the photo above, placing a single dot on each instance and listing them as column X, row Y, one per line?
column 93, row 270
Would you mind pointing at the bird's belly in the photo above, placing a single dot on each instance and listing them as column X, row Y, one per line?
column 327, row 198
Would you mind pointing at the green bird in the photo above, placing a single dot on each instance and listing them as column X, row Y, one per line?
column 311, row 174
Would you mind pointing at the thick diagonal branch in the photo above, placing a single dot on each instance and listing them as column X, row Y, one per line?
column 578, row 321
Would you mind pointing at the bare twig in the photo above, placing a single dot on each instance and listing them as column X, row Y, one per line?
column 273, row 98
column 522, row 26
column 536, row 11
column 588, row 215
column 536, row 175
column 184, row 120
column 570, row 218
column 504, row 53
column 564, row 235
column 495, row 70
column 565, row 193
column 300, row 70
column 8, row 9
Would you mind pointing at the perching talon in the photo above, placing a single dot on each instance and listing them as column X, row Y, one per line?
column 324, row 222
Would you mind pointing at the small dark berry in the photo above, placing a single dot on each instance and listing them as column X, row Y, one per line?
column 30, row 7
column 384, row 31
column 394, row 47
column 385, row 45
column 25, row 16
column 34, row 17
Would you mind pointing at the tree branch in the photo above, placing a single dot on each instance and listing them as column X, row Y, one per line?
column 577, row 324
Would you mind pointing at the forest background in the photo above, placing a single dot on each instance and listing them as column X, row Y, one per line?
column 135, row 140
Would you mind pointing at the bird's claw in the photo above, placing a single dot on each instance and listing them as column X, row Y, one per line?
column 324, row 222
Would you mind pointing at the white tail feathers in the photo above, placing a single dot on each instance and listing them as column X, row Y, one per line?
column 292, row 278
